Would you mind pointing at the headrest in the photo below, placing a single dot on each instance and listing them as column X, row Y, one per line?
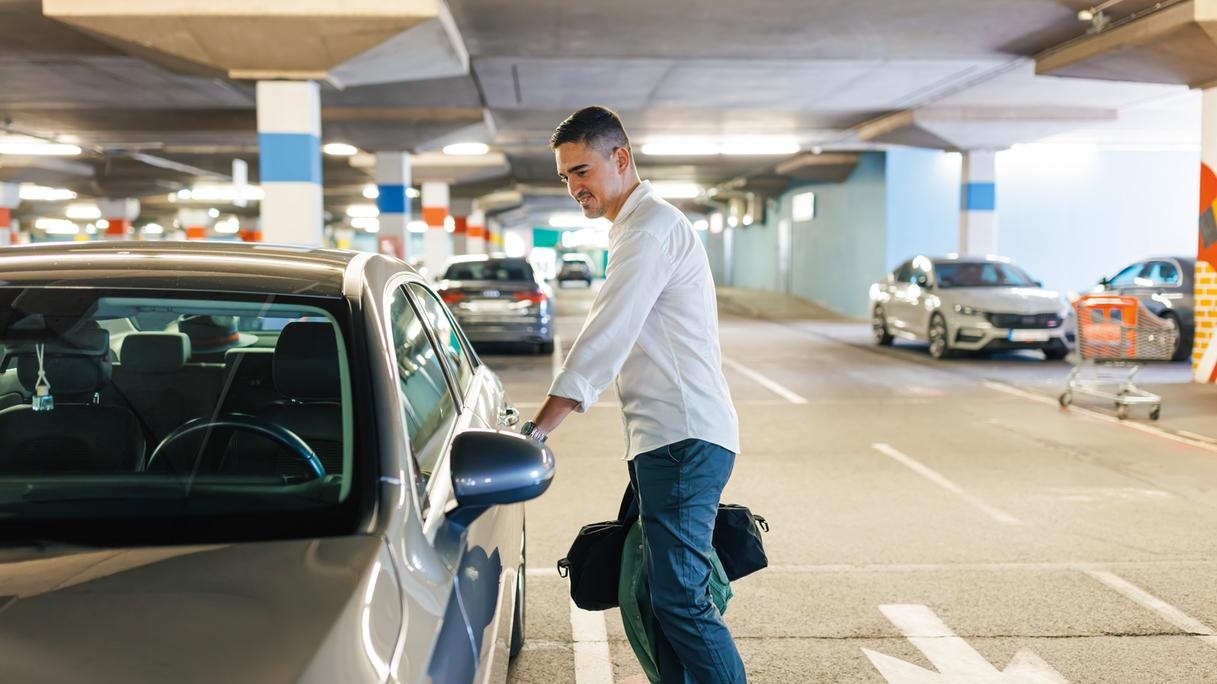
column 154, row 352
column 214, row 334
column 306, row 361
column 75, row 363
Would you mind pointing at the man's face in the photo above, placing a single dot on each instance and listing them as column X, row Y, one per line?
column 593, row 179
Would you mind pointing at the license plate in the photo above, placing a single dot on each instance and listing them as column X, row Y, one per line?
column 1030, row 335
column 489, row 305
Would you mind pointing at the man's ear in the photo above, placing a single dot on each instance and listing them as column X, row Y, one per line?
column 621, row 159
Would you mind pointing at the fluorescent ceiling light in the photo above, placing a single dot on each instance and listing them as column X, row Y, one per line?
column 336, row 149
column 363, row 211
column 220, row 193
column 413, row 193
column 701, row 225
column 213, row 212
column 26, row 146
column 57, row 226
column 417, row 226
column 758, row 146
column 153, row 229
column 370, row 191
column 84, row 211
column 466, row 149
column 41, row 193
column 742, row 146
column 228, row 226
column 681, row 148
column 369, row 224
column 103, row 224
column 676, row 190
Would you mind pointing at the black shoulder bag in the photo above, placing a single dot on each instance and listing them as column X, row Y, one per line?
column 593, row 562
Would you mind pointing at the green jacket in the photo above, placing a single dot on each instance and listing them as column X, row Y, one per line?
column 634, row 596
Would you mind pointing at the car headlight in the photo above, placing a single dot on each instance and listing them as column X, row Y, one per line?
column 967, row 310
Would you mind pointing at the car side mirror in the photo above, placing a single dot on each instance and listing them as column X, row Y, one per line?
column 1038, row 283
column 1104, row 281
column 923, row 281
column 492, row 468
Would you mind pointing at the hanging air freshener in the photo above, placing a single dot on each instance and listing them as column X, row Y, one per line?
column 43, row 401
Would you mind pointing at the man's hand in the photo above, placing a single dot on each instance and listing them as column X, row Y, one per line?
column 552, row 413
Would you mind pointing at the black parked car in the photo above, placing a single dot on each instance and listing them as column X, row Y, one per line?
column 1165, row 285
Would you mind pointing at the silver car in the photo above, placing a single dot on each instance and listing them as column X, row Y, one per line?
column 324, row 496
column 970, row 304
column 499, row 299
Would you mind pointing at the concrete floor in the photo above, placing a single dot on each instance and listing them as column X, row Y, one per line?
column 991, row 525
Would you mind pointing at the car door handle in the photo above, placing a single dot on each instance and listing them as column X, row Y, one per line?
column 509, row 416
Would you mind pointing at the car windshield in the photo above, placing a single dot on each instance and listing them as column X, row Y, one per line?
column 130, row 418
column 491, row 269
column 981, row 274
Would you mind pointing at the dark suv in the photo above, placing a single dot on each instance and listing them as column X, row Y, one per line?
column 1165, row 286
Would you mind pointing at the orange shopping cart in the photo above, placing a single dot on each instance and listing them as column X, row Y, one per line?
column 1116, row 335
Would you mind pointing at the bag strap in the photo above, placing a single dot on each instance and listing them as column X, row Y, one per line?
column 627, row 513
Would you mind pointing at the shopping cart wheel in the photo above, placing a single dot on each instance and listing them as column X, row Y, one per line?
column 1066, row 399
column 1121, row 411
column 1155, row 413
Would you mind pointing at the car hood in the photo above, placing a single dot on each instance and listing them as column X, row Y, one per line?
column 1021, row 300
column 254, row 612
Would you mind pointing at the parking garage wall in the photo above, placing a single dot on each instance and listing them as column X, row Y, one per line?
column 1072, row 214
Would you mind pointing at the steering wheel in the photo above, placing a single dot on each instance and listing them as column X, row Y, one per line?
column 243, row 423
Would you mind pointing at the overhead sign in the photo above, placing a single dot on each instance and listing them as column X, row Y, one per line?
column 957, row 662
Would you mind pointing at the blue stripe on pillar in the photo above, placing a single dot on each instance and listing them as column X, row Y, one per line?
column 289, row 158
column 978, row 197
column 392, row 199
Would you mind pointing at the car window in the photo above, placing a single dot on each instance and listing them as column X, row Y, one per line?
column 447, row 335
column 427, row 403
column 170, row 417
column 1127, row 277
column 981, row 274
column 904, row 274
column 491, row 269
column 1164, row 273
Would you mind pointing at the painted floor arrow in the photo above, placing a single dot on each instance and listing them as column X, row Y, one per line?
column 956, row 660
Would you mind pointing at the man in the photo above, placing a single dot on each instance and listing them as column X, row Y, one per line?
column 653, row 328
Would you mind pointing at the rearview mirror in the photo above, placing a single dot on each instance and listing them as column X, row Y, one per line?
column 492, row 468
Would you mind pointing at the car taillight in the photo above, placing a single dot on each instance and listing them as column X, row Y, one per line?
column 535, row 296
column 451, row 297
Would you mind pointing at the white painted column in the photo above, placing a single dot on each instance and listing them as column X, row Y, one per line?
column 978, row 204
column 460, row 234
column 1204, row 352
column 437, row 243
column 119, row 215
column 196, row 223
column 475, row 242
column 289, row 144
column 10, row 199
column 393, row 180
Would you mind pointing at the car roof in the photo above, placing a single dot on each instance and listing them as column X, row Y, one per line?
column 204, row 266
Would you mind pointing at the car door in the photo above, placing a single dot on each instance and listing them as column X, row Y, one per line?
column 492, row 553
column 920, row 290
column 902, row 296
column 1165, row 291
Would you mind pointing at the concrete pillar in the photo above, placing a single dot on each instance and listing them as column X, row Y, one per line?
column 393, row 180
column 475, row 241
column 10, row 199
column 460, row 235
column 196, row 223
column 1204, row 352
column 494, row 236
column 251, row 230
column 289, row 144
column 119, row 215
column 978, row 204
column 437, row 243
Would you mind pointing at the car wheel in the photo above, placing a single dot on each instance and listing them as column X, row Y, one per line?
column 545, row 348
column 1183, row 339
column 1055, row 353
column 517, row 616
column 879, row 328
column 940, row 346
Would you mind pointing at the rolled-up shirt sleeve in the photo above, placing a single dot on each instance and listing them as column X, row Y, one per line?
column 637, row 272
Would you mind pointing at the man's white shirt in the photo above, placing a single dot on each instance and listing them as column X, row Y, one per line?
column 653, row 328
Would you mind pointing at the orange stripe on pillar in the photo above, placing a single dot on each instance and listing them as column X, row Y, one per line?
column 117, row 228
column 434, row 216
column 196, row 232
column 462, row 225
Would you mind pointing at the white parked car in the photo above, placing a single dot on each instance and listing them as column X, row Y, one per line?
column 972, row 304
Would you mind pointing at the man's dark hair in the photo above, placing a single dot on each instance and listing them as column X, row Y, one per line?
column 594, row 126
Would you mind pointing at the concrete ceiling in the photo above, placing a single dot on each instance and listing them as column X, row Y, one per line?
column 818, row 72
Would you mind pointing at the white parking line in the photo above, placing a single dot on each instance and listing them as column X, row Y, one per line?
column 1181, row 437
column 1168, row 612
column 765, row 382
column 931, row 475
column 593, row 663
